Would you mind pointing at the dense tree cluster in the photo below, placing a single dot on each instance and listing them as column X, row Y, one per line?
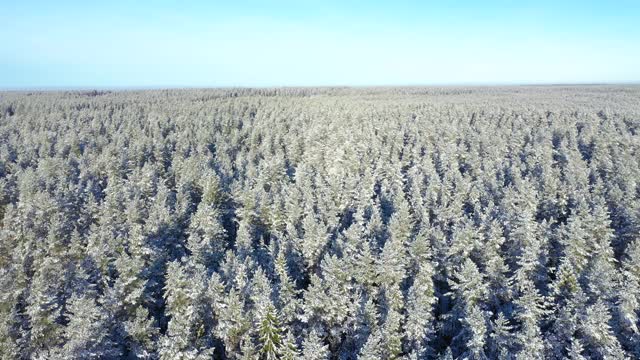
column 332, row 223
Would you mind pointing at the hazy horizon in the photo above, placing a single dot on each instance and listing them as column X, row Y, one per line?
column 443, row 85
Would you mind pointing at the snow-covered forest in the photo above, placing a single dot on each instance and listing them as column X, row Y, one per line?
column 321, row 223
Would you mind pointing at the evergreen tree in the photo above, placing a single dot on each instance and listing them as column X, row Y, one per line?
column 232, row 325
column 206, row 240
column 185, row 295
column 372, row 349
column 288, row 294
column 313, row 347
column 501, row 338
column 599, row 335
column 420, row 302
column 88, row 332
column 274, row 344
column 576, row 350
column 531, row 310
column 630, row 296
column 142, row 335
column 470, row 292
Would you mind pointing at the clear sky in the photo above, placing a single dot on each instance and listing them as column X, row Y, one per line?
column 171, row 43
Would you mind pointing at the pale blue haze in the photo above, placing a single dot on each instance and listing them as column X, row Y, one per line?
column 58, row 44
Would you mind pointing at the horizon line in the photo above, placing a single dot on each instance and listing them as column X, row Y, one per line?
column 222, row 87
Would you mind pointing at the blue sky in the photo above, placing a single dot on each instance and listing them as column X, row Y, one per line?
column 171, row 43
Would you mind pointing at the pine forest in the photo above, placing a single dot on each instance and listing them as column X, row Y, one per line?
column 321, row 223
